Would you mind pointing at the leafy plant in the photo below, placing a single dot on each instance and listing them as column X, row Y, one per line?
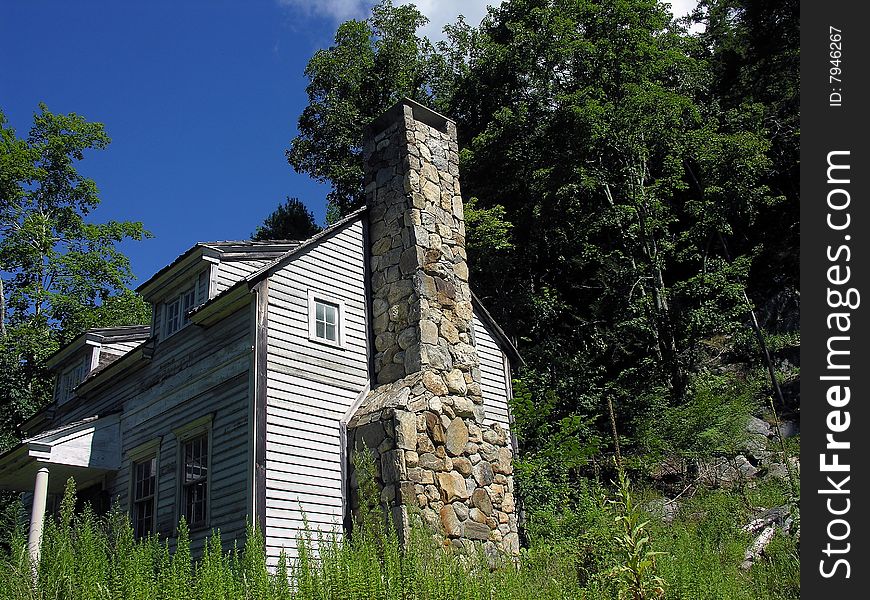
column 636, row 570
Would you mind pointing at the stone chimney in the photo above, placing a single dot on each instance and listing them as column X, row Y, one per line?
column 424, row 418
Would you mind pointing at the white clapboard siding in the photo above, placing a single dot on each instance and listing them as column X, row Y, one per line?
column 230, row 272
column 494, row 380
column 310, row 387
column 120, row 347
column 196, row 372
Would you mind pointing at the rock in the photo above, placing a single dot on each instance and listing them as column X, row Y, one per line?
column 480, row 498
column 408, row 493
column 406, row 430
column 488, row 452
column 757, row 547
column 452, row 526
column 368, row 436
column 452, row 486
column 455, row 382
column 474, row 434
column 475, row 531
column 393, row 466
column 662, row 508
column 507, row 503
column 789, row 429
column 434, row 383
column 407, row 338
column 430, row 518
column 777, row 470
column 758, row 427
column 431, row 493
column 778, row 515
column 461, row 464
column 744, row 467
column 435, row 428
column 391, row 372
column 475, row 514
column 431, row 462
column 756, row 446
column 424, row 444
column 493, row 436
column 504, row 464
column 463, row 407
column 483, row 474
column 461, row 510
column 384, row 341
column 456, row 437
column 428, row 329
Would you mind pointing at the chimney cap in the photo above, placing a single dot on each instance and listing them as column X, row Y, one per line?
column 421, row 113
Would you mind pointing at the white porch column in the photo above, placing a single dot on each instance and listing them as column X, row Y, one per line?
column 37, row 514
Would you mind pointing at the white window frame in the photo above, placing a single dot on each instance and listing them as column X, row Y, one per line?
column 188, row 432
column 183, row 301
column 148, row 450
column 69, row 379
column 315, row 298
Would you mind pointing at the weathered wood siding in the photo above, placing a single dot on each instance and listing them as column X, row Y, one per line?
column 310, row 387
column 193, row 373
column 119, row 348
column 495, row 378
column 230, row 272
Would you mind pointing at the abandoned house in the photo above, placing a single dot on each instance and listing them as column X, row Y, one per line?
column 266, row 364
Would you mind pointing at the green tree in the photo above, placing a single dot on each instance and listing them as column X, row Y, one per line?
column 60, row 272
column 290, row 221
column 638, row 191
column 371, row 64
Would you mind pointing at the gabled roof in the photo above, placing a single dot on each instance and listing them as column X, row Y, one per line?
column 237, row 295
column 99, row 336
column 219, row 250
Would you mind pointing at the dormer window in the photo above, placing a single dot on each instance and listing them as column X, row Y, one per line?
column 68, row 381
column 175, row 311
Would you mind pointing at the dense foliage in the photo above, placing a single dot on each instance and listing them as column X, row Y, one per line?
column 60, row 273
column 89, row 557
column 291, row 221
column 633, row 200
column 632, row 195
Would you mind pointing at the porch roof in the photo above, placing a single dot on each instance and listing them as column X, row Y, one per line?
column 85, row 450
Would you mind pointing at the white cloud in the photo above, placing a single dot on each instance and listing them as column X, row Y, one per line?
column 337, row 10
column 439, row 12
column 445, row 12
column 680, row 8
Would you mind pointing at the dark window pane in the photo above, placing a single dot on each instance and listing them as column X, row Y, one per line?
column 194, row 480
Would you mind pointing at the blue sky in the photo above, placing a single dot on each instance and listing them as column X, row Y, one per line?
column 200, row 98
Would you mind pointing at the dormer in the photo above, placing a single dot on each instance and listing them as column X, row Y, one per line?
column 200, row 274
column 91, row 352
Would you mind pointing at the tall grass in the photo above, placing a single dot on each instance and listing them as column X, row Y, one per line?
column 88, row 557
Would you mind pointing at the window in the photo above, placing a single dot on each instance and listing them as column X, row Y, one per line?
column 194, row 481
column 325, row 320
column 69, row 379
column 144, row 486
column 175, row 311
